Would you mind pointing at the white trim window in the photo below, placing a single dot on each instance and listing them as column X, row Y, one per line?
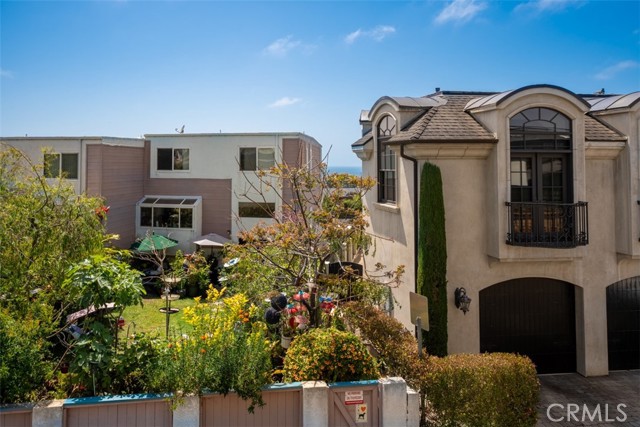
column 257, row 158
column 167, row 212
column 173, row 159
column 386, row 161
column 61, row 165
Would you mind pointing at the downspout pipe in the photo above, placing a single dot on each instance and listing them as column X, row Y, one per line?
column 415, row 214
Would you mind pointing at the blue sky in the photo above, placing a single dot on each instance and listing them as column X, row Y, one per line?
column 126, row 68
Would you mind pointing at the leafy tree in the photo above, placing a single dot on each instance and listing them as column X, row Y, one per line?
column 94, row 283
column 321, row 214
column 44, row 228
column 432, row 258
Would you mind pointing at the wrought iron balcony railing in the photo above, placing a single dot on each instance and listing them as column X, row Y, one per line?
column 548, row 225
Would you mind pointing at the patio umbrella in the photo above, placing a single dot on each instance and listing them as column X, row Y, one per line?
column 211, row 240
column 153, row 242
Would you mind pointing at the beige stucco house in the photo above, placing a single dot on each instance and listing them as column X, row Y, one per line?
column 541, row 191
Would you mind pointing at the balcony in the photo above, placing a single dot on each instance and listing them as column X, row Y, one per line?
column 548, row 225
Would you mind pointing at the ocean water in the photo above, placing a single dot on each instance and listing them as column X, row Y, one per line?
column 353, row 170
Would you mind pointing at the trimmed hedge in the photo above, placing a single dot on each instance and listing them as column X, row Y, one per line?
column 490, row 389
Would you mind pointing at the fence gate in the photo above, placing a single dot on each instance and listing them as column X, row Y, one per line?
column 353, row 405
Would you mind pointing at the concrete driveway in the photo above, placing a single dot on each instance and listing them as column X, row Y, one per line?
column 573, row 400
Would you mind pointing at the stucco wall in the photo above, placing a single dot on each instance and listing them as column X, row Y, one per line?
column 476, row 187
column 392, row 229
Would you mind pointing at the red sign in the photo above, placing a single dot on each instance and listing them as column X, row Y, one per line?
column 353, row 397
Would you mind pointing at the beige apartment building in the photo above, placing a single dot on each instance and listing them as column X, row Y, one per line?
column 542, row 209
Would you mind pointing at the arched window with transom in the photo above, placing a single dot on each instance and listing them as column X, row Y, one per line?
column 386, row 160
column 542, row 210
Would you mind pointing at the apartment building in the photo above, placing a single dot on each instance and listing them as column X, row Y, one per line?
column 179, row 185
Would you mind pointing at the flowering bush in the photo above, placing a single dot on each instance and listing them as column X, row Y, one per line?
column 329, row 355
column 228, row 350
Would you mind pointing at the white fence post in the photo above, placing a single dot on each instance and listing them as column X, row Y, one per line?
column 413, row 408
column 47, row 414
column 394, row 402
column 315, row 404
column 187, row 414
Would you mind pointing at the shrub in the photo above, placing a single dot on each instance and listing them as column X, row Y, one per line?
column 490, row 389
column 395, row 347
column 328, row 355
column 132, row 367
column 227, row 351
column 23, row 365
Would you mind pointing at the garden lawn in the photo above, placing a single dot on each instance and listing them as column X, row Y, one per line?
column 150, row 319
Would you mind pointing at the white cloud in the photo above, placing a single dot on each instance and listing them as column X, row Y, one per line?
column 282, row 46
column 611, row 71
column 541, row 6
column 6, row 74
column 378, row 33
column 460, row 11
column 353, row 36
column 284, row 102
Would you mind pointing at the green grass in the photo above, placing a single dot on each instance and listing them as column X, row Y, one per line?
column 150, row 319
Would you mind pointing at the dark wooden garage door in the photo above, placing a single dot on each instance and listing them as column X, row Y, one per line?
column 533, row 317
column 623, row 324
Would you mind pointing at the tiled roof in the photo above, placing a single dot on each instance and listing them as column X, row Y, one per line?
column 446, row 123
column 449, row 121
column 364, row 140
column 595, row 130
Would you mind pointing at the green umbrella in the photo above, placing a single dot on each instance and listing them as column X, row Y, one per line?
column 153, row 242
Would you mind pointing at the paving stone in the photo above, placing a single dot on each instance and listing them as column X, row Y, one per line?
column 593, row 401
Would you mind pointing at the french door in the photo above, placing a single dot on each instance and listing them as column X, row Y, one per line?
column 541, row 200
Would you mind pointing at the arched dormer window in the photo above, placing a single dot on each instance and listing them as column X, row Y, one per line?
column 542, row 211
column 386, row 160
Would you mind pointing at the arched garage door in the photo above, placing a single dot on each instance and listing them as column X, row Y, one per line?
column 533, row 317
column 623, row 324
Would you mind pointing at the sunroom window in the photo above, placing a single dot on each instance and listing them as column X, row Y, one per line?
column 167, row 212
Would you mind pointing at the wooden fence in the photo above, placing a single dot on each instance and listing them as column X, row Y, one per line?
column 387, row 402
